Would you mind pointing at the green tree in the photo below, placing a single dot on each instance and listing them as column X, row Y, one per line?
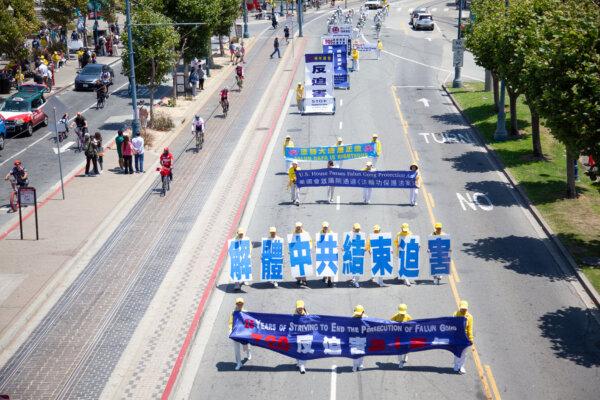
column 154, row 41
column 229, row 11
column 15, row 26
column 62, row 12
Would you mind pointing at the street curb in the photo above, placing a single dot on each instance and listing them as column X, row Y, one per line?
column 566, row 255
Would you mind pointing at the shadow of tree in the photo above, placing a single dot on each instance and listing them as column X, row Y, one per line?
column 471, row 161
column 585, row 251
column 574, row 335
column 521, row 254
column 549, row 191
column 498, row 192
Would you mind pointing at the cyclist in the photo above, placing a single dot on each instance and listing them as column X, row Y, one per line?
column 197, row 126
column 63, row 127
column 18, row 176
column 105, row 77
column 101, row 92
column 239, row 75
column 81, row 127
column 224, row 99
column 166, row 160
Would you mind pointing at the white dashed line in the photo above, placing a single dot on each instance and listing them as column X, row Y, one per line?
column 341, row 124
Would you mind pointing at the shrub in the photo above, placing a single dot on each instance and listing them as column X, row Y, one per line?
column 161, row 122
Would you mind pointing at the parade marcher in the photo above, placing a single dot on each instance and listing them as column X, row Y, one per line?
column 377, row 143
column 357, row 363
column 300, row 96
column 240, row 234
column 288, row 142
column 237, row 346
column 301, row 280
column 355, row 231
column 330, row 189
column 379, row 48
column 294, row 190
column 415, row 191
column 376, row 229
column 325, row 229
column 402, row 316
column 437, row 230
column 301, row 310
column 340, row 142
column 404, row 231
column 368, row 191
column 273, row 235
column 463, row 311
column 355, row 57
column 276, row 48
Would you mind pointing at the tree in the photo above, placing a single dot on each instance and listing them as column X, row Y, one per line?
column 62, row 12
column 229, row 11
column 15, row 27
column 153, row 49
column 564, row 77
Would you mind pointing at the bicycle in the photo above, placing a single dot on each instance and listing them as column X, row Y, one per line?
column 225, row 105
column 100, row 102
column 14, row 195
column 80, row 131
column 165, row 173
column 199, row 139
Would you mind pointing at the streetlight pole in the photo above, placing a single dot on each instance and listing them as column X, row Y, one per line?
column 246, row 35
column 94, row 4
column 300, row 18
column 135, row 126
column 457, row 82
column 280, row 7
column 500, row 134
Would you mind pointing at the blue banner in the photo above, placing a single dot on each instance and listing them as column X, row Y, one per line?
column 353, row 178
column 317, row 336
column 325, row 153
column 341, row 78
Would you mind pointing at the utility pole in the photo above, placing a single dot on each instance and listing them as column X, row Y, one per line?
column 95, row 5
column 246, row 35
column 457, row 82
column 500, row 134
column 300, row 18
column 135, row 126
column 280, row 8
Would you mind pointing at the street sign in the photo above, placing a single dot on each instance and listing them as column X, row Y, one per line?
column 458, row 44
column 458, row 59
column 27, row 196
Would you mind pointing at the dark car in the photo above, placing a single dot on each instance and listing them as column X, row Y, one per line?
column 2, row 133
column 24, row 110
column 88, row 76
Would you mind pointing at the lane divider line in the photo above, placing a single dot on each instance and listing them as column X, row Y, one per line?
column 495, row 390
column 333, row 390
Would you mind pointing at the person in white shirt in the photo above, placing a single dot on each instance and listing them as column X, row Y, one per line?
column 138, row 152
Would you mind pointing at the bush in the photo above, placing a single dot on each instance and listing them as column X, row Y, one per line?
column 161, row 122
column 148, row 138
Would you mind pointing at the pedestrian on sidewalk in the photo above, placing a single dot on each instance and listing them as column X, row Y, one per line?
column 377, row 143
column 301, row 310
column 138, row 151
column 276, row 48
column 402, row 316
column 91, row 156
column 357, row 363
column 119, row 145
column 367, row 191
column 99, row 150
column 463, row 311
column 242, row 53
column 415, row 191
column 379, row 48
column 143, row 113
column 231, row 51
column 286, row 34
column 127, row 151
column 287, row 143
column 201, row 76
column 294, row 190
column 194, row 79
column 237, row 346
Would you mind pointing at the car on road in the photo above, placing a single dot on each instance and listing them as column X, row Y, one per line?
column 414, row 13
column 373, row 4
column 2, row 133
column 423, row 21
column 24, row 111
column 87, row 77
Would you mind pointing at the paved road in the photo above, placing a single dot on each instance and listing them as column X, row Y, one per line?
column 534, row 332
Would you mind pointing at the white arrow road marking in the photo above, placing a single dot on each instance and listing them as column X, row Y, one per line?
column 428, row 39
column 440, row 342
column 63, row 148
column 424, row 101
column 434, row 9
column 446, row 9
column 341, row 102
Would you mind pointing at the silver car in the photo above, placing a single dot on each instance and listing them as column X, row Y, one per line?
column 423, row 21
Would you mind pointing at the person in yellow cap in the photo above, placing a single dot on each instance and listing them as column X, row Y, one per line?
column 300, row 96
column 273, row 235
column 377, row 143
column 463, row 311
column 355, row 231
column 237, row 347
column 357, row 363
column 404, row 231
column 376, row 229
column 288, row 142
column 355, row 57
column 340, row 142
column 415, row 191
column 402, row 316
column 240, row 234
column 301, row 280
column 301, row 310
column 379, row 48
column 324, row 229
column 330, row 189
column 56, row 59
column 367, row 191
column 294, row 190
column 437, row 230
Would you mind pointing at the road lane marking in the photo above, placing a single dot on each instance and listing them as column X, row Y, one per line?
column 446, row 9
column 333, row 390
column 434, row 9
column 341, row 124
column 337, row 204
column 431, row 199
column 454, row 271
column 428, row 66
column 495, row 390
column 416, row 156
column 341, row 102
column 451, row 280
column 63, row 148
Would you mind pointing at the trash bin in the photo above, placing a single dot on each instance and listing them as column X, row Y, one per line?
column 4, row 85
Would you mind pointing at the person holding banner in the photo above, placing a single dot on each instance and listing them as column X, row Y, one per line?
column 355, row 57
column 367, row 191
column 377, row 143
column 327, row 251
column 357, row 363
column 354, row 263
column 273, row 237
column 300, row 97
column 376, row 229
column 288, row 142
column 404, row 232
column 240, row 264
column 415, row 191
column 340, row 142
column 294, row 190
column 402, row 316
column 330, row 189
column 301, row 310
column 463, row 311
column 237, row 347
column 298, row 229
column 437, row 231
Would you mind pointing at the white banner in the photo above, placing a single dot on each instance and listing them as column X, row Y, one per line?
column 367, row 50
column 326, row 254
column 318, row 84
column 381, row 255
column 340, row 30
column 299, row 247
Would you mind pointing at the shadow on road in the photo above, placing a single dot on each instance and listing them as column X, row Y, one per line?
column 471, row 161
column 574, row 335
column 499, row 193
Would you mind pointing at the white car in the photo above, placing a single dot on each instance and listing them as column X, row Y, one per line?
column 423, row 21
column 373, row 4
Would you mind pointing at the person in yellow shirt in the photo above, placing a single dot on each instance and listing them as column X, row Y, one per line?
column 376, row 229
column 437, row 230
column 294, row 190
column 237, row 346
column 357, row 363
column 404, row 231
column 19, row 78
column 300, row 96
column 56, row 59
column 355, row 57
column 325, row 229
column 379, row 48
column 301, row 310
column 301, row 280
column 463, row 311
column 273, row 235
column 288, row 142
column 377, row 143
column 79, row 56
column 402, row 316
column 356, row 230
column 367, row 191
column 415, row 191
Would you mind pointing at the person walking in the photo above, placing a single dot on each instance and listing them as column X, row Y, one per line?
column 355, row 231
column 325, row 230
column 294, row 190
column 237, row 346
column 330, row 189
column 288, row 142
column 91, row 156
column 367, row 191
column 118, row 144
column 376, row 230
column 99, row 150
column 300, row 97
column 242, row 53
column 379, row 48
column 340, row 142
column 463, row 311
column 276, row 48
column 357, row 363
column 437, row 231
column 127, row 151
column 415, row 191
column 231, row 51
column 273, row 236
column 201, row 76
column 402, row 316
column 286, row 34
column 301, row 280
column 404, row 232
column 377, row 143
column 301, row 310
column 143, row 114
column 138, row 152
column 194, row 79
column 355, row 57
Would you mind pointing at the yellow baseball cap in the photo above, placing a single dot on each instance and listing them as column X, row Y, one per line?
column 402, row 308
column 325, row 224
column 239, row 300
column 272, row 229
column 405, row 227
column 299, row 303
column 356, row 226
column 298, row 224
column 463, row 305
column 438, row 225
column 359, row 310
column 240, row 231
column 376, row 227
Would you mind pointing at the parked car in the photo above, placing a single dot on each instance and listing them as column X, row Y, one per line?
column 24, row 111
column 2, row 133
column 90, row 74
column 373, row 4
column 423, row 21
column 413, row 14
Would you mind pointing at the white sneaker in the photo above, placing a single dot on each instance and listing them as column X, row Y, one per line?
column 361, row 367
column 353, row 368
column 275, row 284
column 248, row 356
column 408, row 283
column 401, row 364
column 302, row 369
column 462, row 371
column 238, row 366
column 356, row 284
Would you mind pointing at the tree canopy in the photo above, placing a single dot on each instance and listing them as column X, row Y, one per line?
column 16, row 26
